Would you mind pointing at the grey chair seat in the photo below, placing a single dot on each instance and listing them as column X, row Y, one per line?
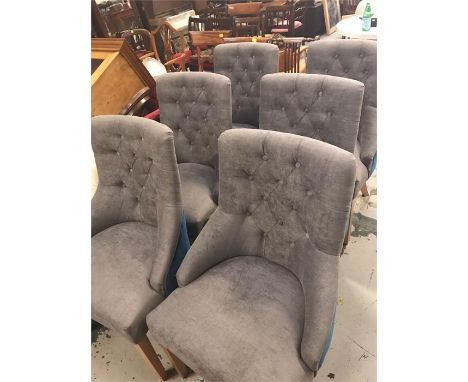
column 243, row 126
column 253, row 311
column 362, row 174
column 122, row 259
column 198, row 184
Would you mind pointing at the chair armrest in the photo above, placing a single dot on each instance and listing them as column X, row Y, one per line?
column 367, row 135
column 216, row 243
column 150, row 54
column 320, row 302
column 178, row 60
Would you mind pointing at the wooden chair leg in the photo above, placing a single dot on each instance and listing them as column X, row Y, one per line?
column 364, row 190
column 150, row 355
column 180, row 367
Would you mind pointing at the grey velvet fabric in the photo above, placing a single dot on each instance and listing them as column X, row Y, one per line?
column 283, row 198
column 245, row 64
column 317, row 106
column 197, row 107
column 198, row 190
column 252, row 310
column 355, row 59
column 136, row 213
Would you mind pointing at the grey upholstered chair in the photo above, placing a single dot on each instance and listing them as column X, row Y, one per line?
column 245, row 63
column 136, row 214
column 355, row 59
column 197, row 107
column 258, row 286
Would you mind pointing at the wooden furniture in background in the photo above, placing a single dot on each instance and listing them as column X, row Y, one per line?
column 280, row 19
column 173, row 53
column 117, row 76
column 207, row 40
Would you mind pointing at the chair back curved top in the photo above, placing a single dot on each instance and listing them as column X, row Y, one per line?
column 137, row 170
column 142, row 42
column 355, row 59
column 245, row 64
column 197, row 107
column 172, row 41
column 322, row 107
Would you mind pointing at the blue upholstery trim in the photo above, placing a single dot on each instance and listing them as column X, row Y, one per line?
column 329, row 339
column 373, row 165
column 183, row 245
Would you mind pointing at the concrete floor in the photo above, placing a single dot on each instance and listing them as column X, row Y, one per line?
column 353, row 352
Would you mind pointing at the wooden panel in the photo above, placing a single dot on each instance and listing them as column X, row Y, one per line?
column 114, row 86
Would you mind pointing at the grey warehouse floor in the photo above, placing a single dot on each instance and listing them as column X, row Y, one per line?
column 353, row 352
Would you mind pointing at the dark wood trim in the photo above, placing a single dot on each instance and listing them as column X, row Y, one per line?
column 97, row 21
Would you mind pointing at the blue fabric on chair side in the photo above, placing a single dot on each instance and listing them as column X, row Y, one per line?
column 183, row 245
column 329, row 340
column 373, row 165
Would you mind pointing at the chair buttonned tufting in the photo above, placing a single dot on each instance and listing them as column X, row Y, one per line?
column 336, row 55
column 346, row 70
column 248, row 213
column 326, row 70
column 298, row 165
column 307, row 235
column 295, row 125
column 251, row 177
column 282, row 108
column 306, row 109
column 204, row 88
column 280, row 181
column 177, row 102
column 265, row 157
column 117, row 153
column 309, row 193
column 281, row 222
column 291, row 244
column 187, row 116
column 320, row 93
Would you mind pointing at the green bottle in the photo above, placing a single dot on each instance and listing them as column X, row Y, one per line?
column 366, row 18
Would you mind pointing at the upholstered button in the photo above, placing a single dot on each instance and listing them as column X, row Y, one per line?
column 309, row 193
column 306, row 109
column 187, row 116
column 282, row 108
column 251, row 177
column 280, row 222
column 346, row 70
column 177, row 102
column 131, row 170
column 307, row 235
column 265, row 157
column 265, row 197
column 329, row 113
column 336, row 55
column 204, row 88
column 297, row 165
column 248, row 213
column 205, row 119
column 280, row 181
column 294, row 125
column 361, row 55
column 291, row 244
column 326, row 70
column 320, row 93
column 294, row 208
column 117, row 153
column 295, row 92
column 366, row 71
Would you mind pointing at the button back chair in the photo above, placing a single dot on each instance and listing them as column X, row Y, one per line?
column 259, row 285
column 244, row 64
column 135, row 225
column 357, row 60
column 197, row 107
column 322, row 107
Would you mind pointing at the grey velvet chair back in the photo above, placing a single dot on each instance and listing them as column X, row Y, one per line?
column 355, row 59
column 245, row 64
column 289, row 199
column 137, row 170
column 322, row 107
column 197, row 107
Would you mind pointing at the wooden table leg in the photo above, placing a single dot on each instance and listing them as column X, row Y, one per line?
column 149, row 354
column 180, row 367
